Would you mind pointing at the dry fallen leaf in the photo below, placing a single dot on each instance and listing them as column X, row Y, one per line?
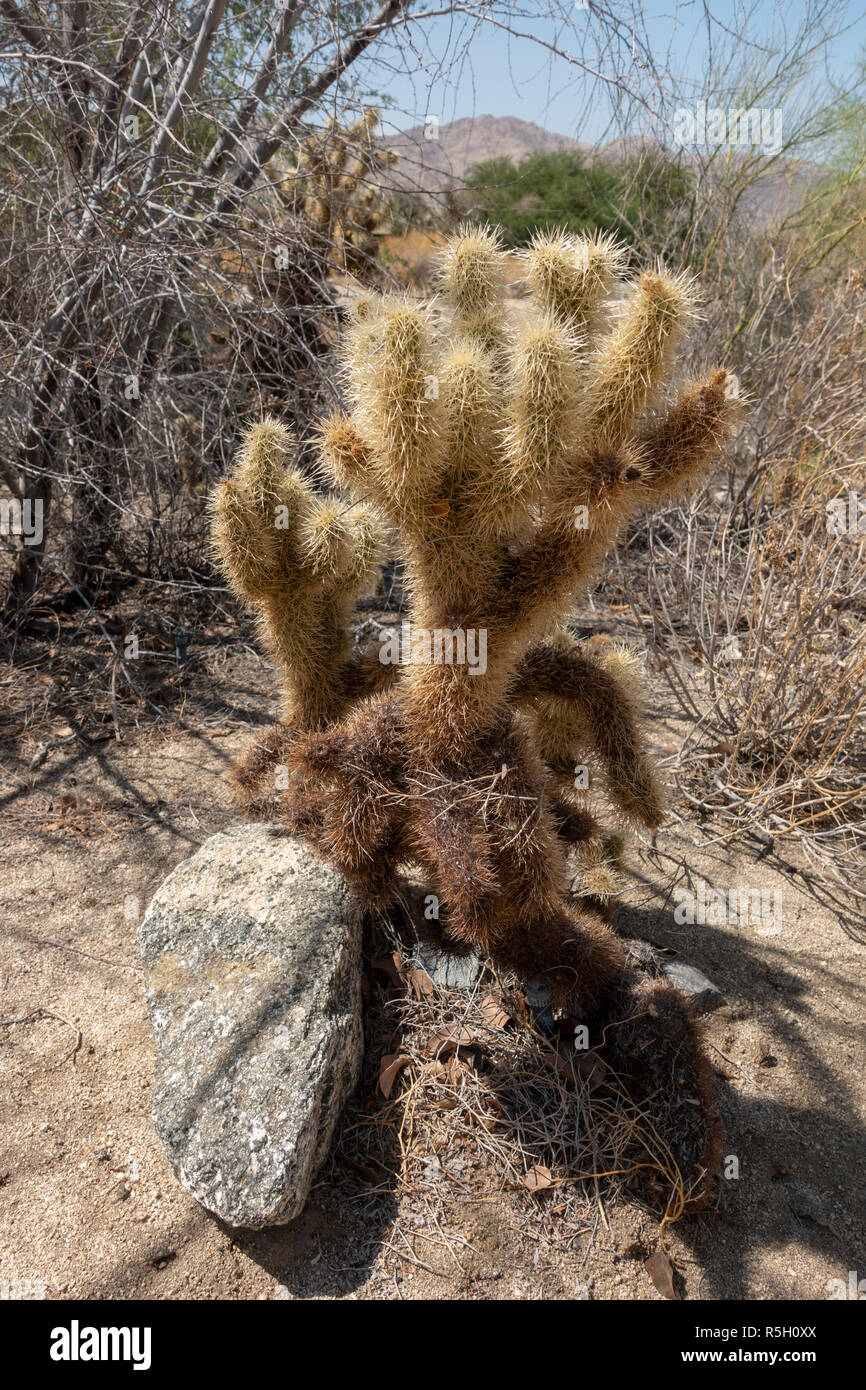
column 493, row 1012
column 587, row 1066
column 556, row 1063
column 454, row 1069
column 392, row 1064
column 421, row 984
column 538, row 1178
column 590, row 1068
column 448, row 1040
column 493, row 1117
column 660, row 1270
column 435, row 1069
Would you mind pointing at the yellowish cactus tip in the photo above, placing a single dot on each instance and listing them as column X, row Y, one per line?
column 573, row 276
column 471, row 264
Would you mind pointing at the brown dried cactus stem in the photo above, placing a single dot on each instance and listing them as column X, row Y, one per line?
column 506, row 458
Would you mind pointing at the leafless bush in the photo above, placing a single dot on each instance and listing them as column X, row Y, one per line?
column 763, row 579
column 772, row 604
column 140, row 222
column 753, row 599
column 137, row 221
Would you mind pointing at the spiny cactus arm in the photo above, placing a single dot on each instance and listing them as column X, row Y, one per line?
column 567, row 448
column 246, row 549
column 665, row 460
column 540, row 421
column 563, row 437
column 397, row 414
column 248, row 546
column 472, row 270
column 565, row 749
column 573, row 278
column 258, row 787
column 347, row 795
column 346, row 458
column 626, row 370
column 472, row 414
column 299, row 560
column 632, row 361
column 574, row 951
column 581, row 702
column 515, row 390
column 305, row 623
column 677, row 448
column 493, row 852
column 453, row 845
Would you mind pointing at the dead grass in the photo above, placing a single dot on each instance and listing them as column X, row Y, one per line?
column 477, row 1091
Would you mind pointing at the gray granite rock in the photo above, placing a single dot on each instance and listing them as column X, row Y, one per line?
column 251, row 954
column 702, row 994
column 448, row 971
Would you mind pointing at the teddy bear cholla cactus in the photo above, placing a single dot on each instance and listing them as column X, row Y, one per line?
column 339, row 182
column 506, row 459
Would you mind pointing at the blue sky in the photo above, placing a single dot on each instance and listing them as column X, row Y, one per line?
column 506, row 76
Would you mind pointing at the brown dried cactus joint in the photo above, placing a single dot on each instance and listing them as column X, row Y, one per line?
column 505, row 455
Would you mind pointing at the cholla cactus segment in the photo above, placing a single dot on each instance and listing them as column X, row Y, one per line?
column 337, row 181
column 542, row 419
column 573, row 278
column 505, row 457
column 394, row 382
column 632, row 361
column 473, row 284
column 471, row 401
column 586, row 709
column 263, row 465
column 678, row 447
column 299, row 561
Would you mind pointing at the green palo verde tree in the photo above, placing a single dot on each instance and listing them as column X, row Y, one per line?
column 504, row 455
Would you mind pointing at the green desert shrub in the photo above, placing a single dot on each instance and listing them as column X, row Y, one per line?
column 642, row 199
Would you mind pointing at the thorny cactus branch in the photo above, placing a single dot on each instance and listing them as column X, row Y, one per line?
column 507, row 456
column 585, row 706
column 277, row 541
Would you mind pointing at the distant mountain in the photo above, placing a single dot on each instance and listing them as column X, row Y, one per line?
column 435, row 159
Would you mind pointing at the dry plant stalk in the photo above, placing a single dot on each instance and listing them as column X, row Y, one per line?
column 507, row 461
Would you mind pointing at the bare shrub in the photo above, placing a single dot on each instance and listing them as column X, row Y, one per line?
column 772, row 604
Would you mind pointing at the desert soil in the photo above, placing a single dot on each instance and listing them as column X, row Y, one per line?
column 89, row 1207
